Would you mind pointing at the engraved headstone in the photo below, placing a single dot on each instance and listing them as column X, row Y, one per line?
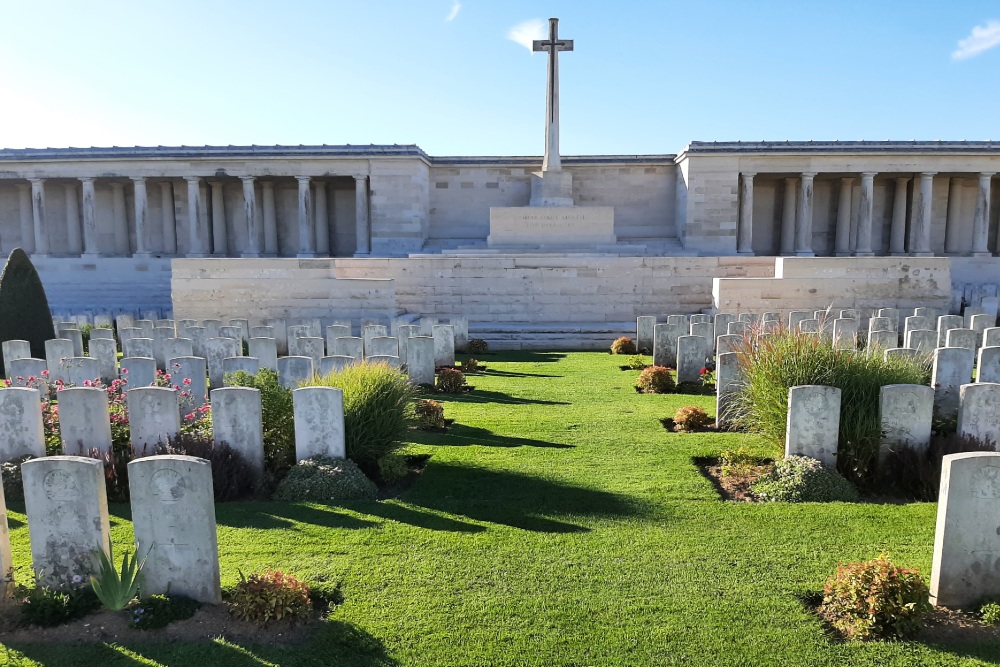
column 319, row 422
column 813, row 424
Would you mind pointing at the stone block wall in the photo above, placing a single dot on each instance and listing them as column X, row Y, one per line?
column 400, row 204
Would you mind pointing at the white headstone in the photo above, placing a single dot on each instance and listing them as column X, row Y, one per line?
column 217, row 349
column 84, row 422
column 194, row 369
column 905, row 411
column 76, row 336
column 319, row 422
column 15, row 349
column 306, row 346
column 29, row 373
column 951, row 369
column 813, row 425
column 727, row 343
column 644, row 332
column 21, row 430
column 349, row 346
column 382, row 346
column 105, row 352
column 173, row 515
column 978, row 416
column 691, row 354
column 392, row 361
column 945, row 324
column 175, row 347
column 796, row 316
column 444, row 345
column 334, row 364
column 722, row 321
column 966, row 338
column 728, row 379
column 237, row 364
column 154, row 417
column 923, row 340
column 420, row 360
column 335, row 331
column 79, row 371
column 707, row 331
column 237, row 419
column 56, row 350
column 845, row 333
column 966, row 539
column 213, row 328
column 265, row 350
column 137, row 371
column 139, row 347
column 262, row 332
column 66, row 503
column 294, row 370
column 988, row 368
column 738, row 328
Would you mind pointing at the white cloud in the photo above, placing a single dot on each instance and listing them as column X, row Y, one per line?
column 983, row 38
column 527, row 31
column 456, row 7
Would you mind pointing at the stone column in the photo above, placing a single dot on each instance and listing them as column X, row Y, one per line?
column 322, row 220
column 362, row 224
column 865, row 214
column 38, row 216
column 897, row 233
column 73, row 220
column 803, row 228
column 90, row 236
column 981, row 220
column 788, row 218
column 169, row 219
column 270, row 219
column 220, row 245
column 744, row 229
column 195, row 247
column 141, row 209
column 922, row 237
column 952, row 222
column 843, row 239
column 307, row 240
column 27, row 224
column 250, row 210
column 120, row 218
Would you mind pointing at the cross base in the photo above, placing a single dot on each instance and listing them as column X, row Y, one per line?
column 551, row 188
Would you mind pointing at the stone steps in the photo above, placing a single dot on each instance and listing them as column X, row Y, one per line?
column 551, row 336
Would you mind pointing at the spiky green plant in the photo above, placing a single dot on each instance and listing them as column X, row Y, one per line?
column 113, row 588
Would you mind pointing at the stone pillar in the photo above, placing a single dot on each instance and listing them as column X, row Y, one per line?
column 141, row 209
column 120, row 219
column 322, row 220
column 803, row 228
column 897, row 232
column 220, row 245
column 922, row 235
column 38, row 216
column 168, row 218
column 73, row 220
column 981, row 220
column 307, row 240
column 744, row 230
column 90, row 236
column 270, row 219
column 953, row 221
column 364, row 243
column 843, row 239
column 195, row 247
column 27, row 225
column 863, row 248
column 250, row 210
column 788, row 218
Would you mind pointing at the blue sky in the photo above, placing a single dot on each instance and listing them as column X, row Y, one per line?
column 646, row 77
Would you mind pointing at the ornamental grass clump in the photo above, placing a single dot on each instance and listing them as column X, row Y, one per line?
column 875, row 600
column 771, row 366
column 800, row 479
column 378, row 409
column 623, row 345
column 655, row 380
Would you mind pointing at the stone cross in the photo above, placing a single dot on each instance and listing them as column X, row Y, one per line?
column 553, row 45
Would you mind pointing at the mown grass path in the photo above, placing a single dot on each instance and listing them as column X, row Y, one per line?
column 557, row 523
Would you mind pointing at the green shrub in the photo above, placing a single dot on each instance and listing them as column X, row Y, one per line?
column 800, row 479
column 377, row 409
column 771, row 366
column 24, row 310
column 13, row 484
column 623, row 345
column 157, row 611
column 324, row 595
column 477, row 346
column 430, row 414
column 875, row 599
column 636, row 362
column 990, row 613
column 470, row 365
column 737, row 462
column 691, row 418
column 278, row 416
column 915, row 472
column 47, row 607
column 325, row 479
column 392, row 468
column 269, row 596
column 655, row 380
column 450, row 381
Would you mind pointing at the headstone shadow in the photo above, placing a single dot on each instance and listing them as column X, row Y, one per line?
column 515, row 499
column 460, row 435
column 485, row 396
column 285, row 515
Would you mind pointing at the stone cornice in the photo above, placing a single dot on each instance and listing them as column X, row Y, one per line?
column 812, row 147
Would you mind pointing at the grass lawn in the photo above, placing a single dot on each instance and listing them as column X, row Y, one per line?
column 557, row 523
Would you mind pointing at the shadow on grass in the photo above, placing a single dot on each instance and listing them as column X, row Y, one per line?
column 335, row 643
column 520, row 356
column 510, row 374
column 515, row 500
column 418, row 517
column 284, row 515
column 484, row 396
column 460, row 435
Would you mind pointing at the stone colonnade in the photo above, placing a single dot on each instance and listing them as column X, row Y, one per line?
column 908, row 235
column 205, row 240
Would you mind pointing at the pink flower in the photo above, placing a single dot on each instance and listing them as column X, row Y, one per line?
column 124, row 371
column 187, row 381
column 45, row 373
